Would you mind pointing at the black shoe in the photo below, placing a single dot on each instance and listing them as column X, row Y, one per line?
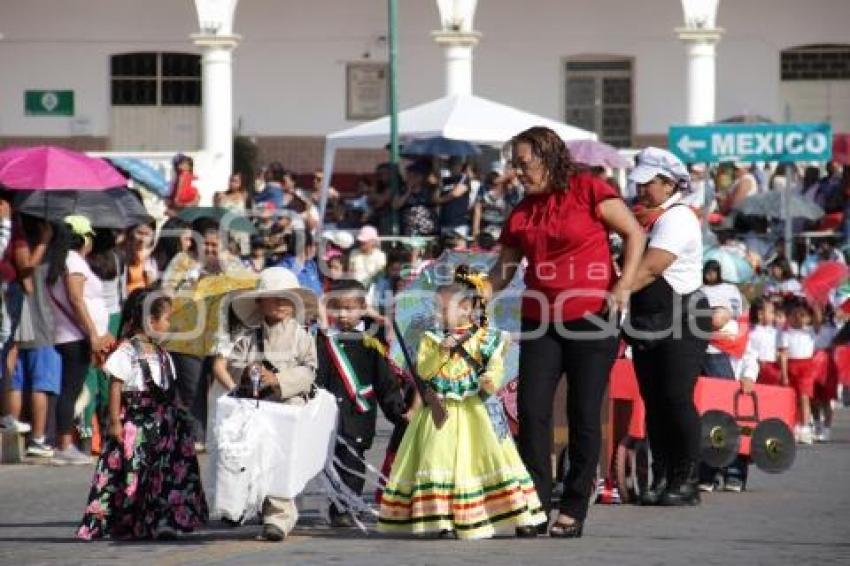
column 272, row 533
column 532, row 531
column 573, row 530
column 164, row 533
column 684, row 487
column 659, row 483
column 447, row 534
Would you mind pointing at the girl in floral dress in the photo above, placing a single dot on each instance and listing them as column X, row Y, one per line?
column 461, row 478
column 147, row 482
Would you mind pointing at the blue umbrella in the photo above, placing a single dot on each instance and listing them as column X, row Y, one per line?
column 440, row 146
column 734, row 267
column 144, row 173
column 416, row 307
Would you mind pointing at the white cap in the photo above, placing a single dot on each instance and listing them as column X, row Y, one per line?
column 654, row 161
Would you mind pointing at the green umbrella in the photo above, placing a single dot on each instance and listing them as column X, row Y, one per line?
column 228, row 219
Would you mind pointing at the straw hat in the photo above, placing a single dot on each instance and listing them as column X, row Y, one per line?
column 275, row 282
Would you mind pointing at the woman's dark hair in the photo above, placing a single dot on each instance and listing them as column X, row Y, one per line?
column 552, row 151
column 757, row 308
column 712, row 265
column 784, row 265
column 31, row 227
column 64, row 240
column 141, row 302
column 168, row 244
column 102, row 259
column 182, row 158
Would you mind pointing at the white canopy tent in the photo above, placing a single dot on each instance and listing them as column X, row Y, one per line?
column 462, row 117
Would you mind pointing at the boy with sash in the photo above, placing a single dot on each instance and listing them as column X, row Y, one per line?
column 353, row 367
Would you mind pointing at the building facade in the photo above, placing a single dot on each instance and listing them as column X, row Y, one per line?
column 126, row 75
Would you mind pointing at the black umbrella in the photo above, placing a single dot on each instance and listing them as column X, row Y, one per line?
column 440, row 146
column 770, row 204
column 229, row 220
column 114, row 208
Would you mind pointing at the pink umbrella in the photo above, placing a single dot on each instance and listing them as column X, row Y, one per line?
column 49, row 168
column 596, row 154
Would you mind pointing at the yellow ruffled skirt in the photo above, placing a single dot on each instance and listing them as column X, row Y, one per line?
column 459, row 478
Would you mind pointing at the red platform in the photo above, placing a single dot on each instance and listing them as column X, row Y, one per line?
column 627, row 413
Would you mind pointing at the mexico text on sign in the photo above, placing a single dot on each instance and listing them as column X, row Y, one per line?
column 752, row 142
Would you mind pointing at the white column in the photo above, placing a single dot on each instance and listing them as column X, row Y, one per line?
column 701, row 77
column 457, row 47
column 458, row 39
column 217, row 108
column 217, row 42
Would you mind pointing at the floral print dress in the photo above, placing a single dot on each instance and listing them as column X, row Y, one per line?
column 151, row 479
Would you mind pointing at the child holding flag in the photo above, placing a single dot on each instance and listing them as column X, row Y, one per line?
column 353, row 366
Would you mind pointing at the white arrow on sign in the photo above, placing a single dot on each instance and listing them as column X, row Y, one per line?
column 687, row 146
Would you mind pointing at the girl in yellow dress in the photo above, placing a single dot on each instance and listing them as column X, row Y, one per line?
column 460, row 479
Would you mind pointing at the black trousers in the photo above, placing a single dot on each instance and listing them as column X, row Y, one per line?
column 191, row 384
column 355, row 463
column 587, row 364
column 76, row 358
column 667, row 374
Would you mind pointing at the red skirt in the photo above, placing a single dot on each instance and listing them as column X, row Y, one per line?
column 769, row 373
column 841, row 355
column 826, row 384
column 801, row 375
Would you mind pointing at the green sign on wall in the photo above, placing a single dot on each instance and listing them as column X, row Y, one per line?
column 49, row 102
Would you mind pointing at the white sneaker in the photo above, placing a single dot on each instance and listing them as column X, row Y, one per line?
column 825, row 434
column 11, row 424
column 70, row 456
column 806, row 436
column 818, row 434
column 39, row 449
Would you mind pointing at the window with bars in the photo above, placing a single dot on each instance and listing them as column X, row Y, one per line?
column 156, row 79
column 816, row 63
column 599, row 98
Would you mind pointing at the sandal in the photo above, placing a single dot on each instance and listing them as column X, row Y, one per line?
column 562, row 530
column 531, row 531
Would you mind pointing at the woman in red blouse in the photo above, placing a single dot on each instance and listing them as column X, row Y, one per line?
column 570, row 309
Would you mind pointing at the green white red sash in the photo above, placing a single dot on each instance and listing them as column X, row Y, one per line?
column 357, row 392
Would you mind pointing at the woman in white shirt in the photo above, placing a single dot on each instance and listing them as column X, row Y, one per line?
column 81, row 323
column 668, row 327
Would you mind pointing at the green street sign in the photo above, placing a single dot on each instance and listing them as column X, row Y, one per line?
column 751, row 142
column 49, row 102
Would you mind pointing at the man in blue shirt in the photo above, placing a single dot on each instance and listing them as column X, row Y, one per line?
column 300, row 258
column 273, row 190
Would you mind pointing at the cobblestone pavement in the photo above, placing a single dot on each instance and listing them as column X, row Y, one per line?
column 800, row 517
